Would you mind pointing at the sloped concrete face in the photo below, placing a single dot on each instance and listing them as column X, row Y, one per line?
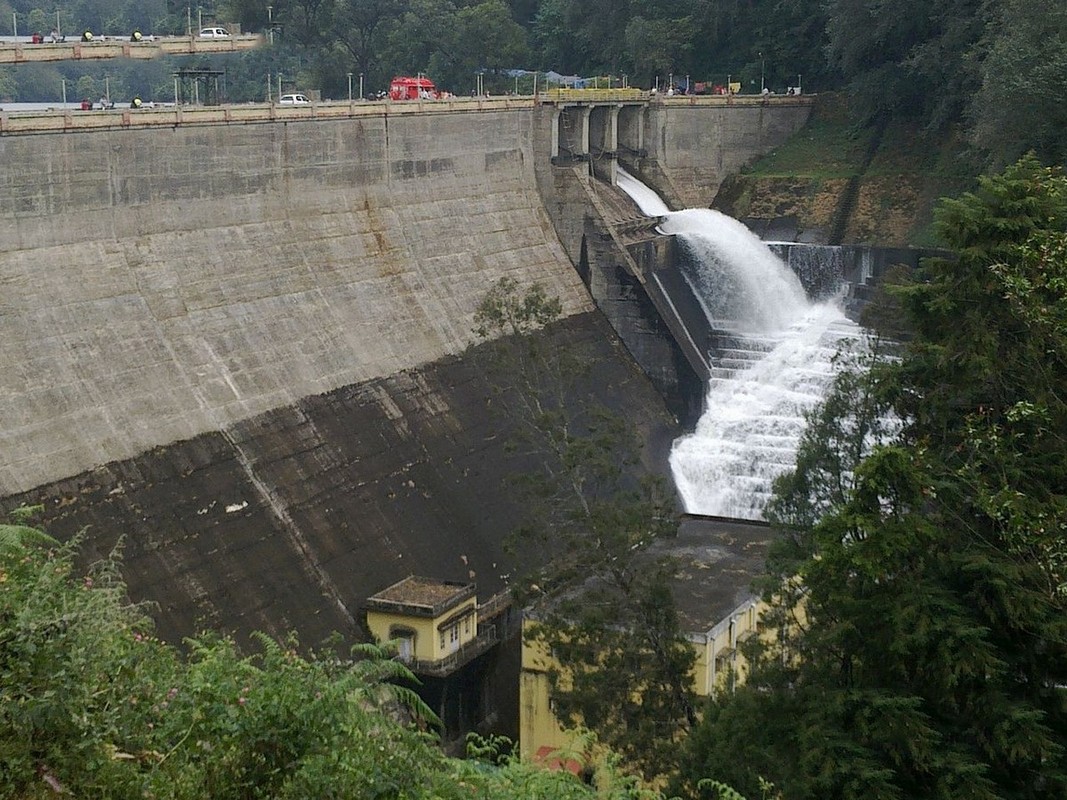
column 290, row 519
column 160, row 285
column 695, row 147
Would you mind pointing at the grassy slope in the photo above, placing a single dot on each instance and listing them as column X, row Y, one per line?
column 806, row 176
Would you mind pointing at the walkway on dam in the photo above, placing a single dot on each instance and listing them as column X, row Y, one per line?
column 67, row 120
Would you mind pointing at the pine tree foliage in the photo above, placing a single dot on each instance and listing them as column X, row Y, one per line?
column 93, row 705
column 603, row 608
column 929, row 654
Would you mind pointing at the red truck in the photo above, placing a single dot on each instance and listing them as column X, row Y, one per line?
column 402, row 88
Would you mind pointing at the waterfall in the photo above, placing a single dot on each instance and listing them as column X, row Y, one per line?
column 773, row 359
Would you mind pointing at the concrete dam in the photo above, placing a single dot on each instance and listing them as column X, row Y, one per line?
column 242, row 347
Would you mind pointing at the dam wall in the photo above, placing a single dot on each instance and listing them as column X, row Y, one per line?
column 243, row 353
column 242, row 350
column 161, row 284
column 692, row 144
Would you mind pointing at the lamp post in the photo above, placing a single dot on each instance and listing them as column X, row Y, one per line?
column 361, row 86
column 349, row 87
column 270, row 24
column 762, row 72
column 14, row 24
column 64, row 92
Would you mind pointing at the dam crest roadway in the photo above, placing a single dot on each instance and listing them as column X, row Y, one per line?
column 566, row 103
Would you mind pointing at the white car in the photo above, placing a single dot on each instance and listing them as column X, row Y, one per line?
column 293, row 100
column 214, row 33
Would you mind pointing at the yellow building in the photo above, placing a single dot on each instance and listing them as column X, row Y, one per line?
column 434, row 622
column 715, row 562
column 457, row 647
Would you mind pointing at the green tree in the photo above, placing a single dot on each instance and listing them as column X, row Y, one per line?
column 1017, row 106
column 602, row 606
column 908, row 58
column 931, row 653
column 92, row 705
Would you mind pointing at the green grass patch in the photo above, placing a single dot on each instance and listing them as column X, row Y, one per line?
column 828, row 147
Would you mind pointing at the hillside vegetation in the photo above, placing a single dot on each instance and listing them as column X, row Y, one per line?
column 895, row 174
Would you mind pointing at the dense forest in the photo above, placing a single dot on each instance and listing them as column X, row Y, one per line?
column 993, row 67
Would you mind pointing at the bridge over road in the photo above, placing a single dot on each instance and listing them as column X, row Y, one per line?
column 23, row 51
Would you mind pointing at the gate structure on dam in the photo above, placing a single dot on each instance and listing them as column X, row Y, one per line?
column 593, row 125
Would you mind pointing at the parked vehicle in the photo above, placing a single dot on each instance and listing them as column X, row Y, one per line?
column 404, row 88
column 214, row 33
column 293, row 100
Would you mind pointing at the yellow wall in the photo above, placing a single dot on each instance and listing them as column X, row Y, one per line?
column 428, row 645
column 538, row 726
column 717, row 662
column 718, row 657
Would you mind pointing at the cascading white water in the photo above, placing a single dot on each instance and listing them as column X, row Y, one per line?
column 773, row 362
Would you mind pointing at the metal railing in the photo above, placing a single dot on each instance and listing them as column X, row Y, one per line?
column 468, row 652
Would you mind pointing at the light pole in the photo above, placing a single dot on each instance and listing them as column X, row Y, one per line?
column 349, row 87
column 762, row 72
column 14, row 24
column 361, row 86
column 270, row 24
column 64, row 92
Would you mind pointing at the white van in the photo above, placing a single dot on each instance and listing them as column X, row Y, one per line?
column 214, row 33
column 293, row 100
